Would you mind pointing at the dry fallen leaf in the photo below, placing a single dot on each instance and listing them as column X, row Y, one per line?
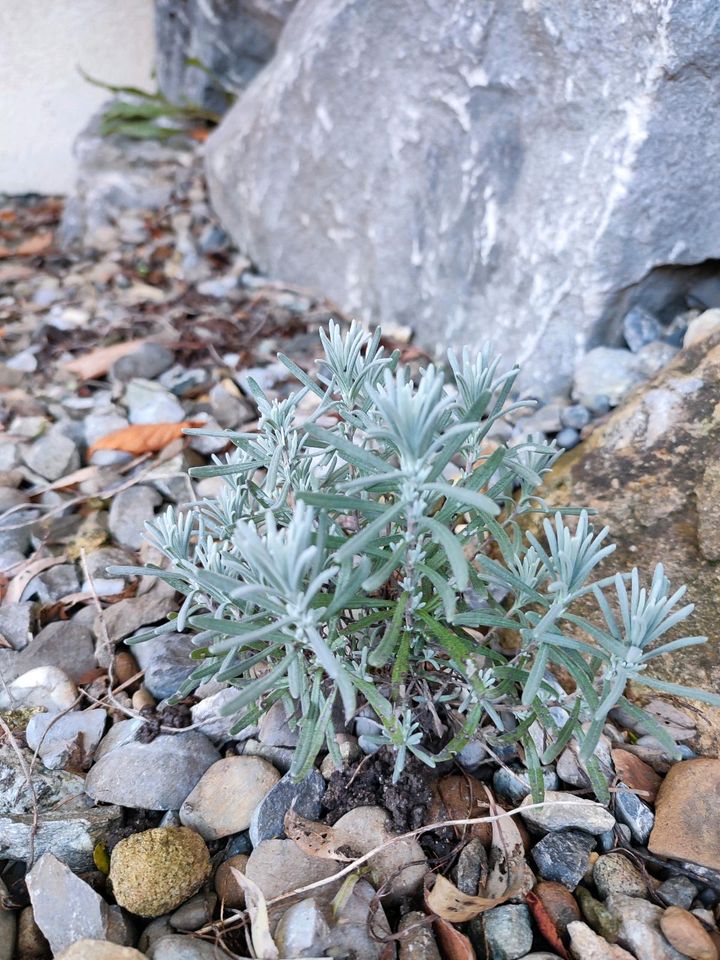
column 35, row 245
column 141, row 438
column 263, row 944
column 453, row 944
column 546, row 924
column 32, row 568
column 459, row 797
column 98, row 362
column 316, row 839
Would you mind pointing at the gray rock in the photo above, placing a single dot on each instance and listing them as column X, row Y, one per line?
column 564, row 857
column 148, row 402
column 564, row 811
column 151, row 776
column 8, row 927
column 166, row 662
column 640, row 327
column 511, row 783
column 508, row 932
column 67, row 909
column 62, row 644
column 52, row 456
column 588, row 945
column 568, row 438
column 15, row 624
column 195, row 912
column 607, row 372
column 53, row 584
column 576, row 416
column 98, row 425
column 70, row 738
column 472, row 755
column 207, row 718
column 147, row 363
column 232, row 43
column 155, row 930
column 472, row 864
column 275, row 729
column 71, row 831
column 178, row 947
column 97, row 563
column 268, row 820
column 615, row 873
column 640, row 928
column 635, row 814
column 418, row 942
column 279, row 866
column 47, row 687
column 677, row 892
column 442, row 202
column 302, row 930
column 130, row 511
column 126, row 617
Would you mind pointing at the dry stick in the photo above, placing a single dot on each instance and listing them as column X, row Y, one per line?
column 240, row 916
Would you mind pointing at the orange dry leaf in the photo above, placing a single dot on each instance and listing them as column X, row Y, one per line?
column 142, row 438
column 98, row 362
column 35, row 245
column 453, row 944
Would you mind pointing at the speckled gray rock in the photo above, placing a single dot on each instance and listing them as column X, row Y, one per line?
column 151, row 776
column 67, row 909
column 508, row 933
column 511, row 783
column 463, row 92
column 565, row 811
column 268, row 820
column 677, row 892
column 640, row 928
column 635, row 814
column 129, row 512
column 564, row 857
column 615, row 873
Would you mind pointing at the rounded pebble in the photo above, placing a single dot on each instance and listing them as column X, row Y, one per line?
column 687, row 934
column 614, row 873
column 155, row 871
column 225, row 797
column 226, row 886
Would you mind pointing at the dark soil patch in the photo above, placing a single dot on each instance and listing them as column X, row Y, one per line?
column 368, row 783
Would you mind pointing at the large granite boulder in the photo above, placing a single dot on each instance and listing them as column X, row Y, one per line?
column 510, row 171
column 206, row 47
column 651, row 473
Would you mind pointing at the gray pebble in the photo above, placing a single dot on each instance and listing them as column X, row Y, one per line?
column 678, row 892
column 615, row 873
column 268, row 820
column 564, row 857
column 640, row 327
column 575, row 416
column 511, row 784
column 147, row 362
column 129, row 512
column 635, row 814
column 508, row 932
column 52, row 456
column 568, row 438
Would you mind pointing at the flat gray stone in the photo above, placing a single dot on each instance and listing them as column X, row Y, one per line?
column 635, row 814
column 304, row 797
column 177, row 947
column 67, row 909
column 71, row 738
column 148, row 402
column 565, row 811
column 52, row 456
column 151, row 776
column 15, row 623
column 129, row 512
column 508, row 932
column 64, row 644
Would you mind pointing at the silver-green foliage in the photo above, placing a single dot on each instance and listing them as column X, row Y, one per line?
column 371, row 553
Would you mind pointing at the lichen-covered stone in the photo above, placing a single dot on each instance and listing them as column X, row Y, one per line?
column 647, row 471
column 155, row 871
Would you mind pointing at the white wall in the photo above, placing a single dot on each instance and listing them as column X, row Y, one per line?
column 44, row 102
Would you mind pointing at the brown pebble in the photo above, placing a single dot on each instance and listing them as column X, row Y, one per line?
column 687, row 934
column 227, row 888
column 559, row 904
column 142, row 698
column 31, row 943
column 124, row 666
column 636, row 774
column 686, row 814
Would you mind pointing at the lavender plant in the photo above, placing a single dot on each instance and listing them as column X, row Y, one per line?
column 373, row 555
